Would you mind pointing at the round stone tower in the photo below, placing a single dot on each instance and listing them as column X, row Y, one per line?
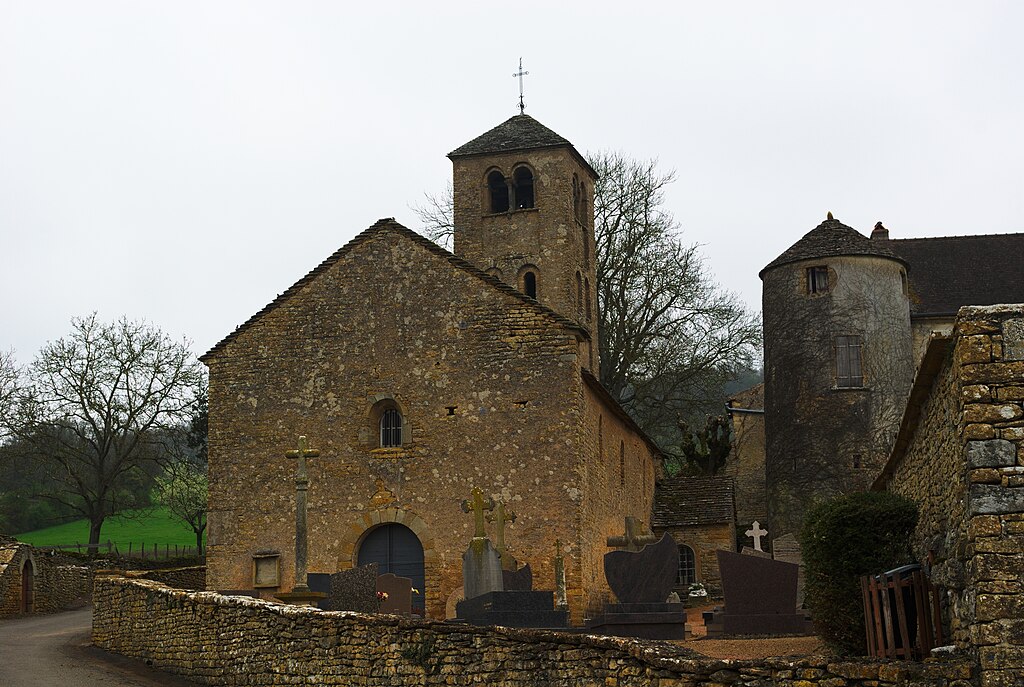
column 838, row 367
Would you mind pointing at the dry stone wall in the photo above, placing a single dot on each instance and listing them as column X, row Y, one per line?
column 218, row 640
column 964, row 466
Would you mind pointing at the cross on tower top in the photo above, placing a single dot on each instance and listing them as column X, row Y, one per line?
column 521, row 74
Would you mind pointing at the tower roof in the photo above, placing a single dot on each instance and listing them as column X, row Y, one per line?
column 521, row 132
column 832, row 238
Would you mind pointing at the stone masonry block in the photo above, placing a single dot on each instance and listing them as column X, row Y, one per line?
column 991, row 412
column 994, row 373
column 992, row 453
column 979, row 431
column 1013, row 339
column 976, row 393
column 974, row 349
column 986, row 499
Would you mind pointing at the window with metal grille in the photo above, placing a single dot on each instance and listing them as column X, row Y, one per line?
column 849, row 373
column 687, row 566
column 391, row 428
column 817, row 279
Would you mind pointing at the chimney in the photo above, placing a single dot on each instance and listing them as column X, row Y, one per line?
column 879, row 233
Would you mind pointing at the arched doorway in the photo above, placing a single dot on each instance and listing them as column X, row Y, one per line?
column 28, row 586
column 396, row 549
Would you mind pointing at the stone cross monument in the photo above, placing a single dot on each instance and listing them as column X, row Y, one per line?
column 300, row 593
column 755, row 532
column 481, row 564
column 501, row 518
column 633, row 539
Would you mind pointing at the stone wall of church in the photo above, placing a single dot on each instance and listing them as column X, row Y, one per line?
column 488, row 386
column 964, row 466
column 704, row 540
column 746, row 462
column 618, row 481
column 217, row 640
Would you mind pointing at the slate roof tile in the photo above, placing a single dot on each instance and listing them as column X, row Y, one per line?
column 682, row 501
column 828, row 239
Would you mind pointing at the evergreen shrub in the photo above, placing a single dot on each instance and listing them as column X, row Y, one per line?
column 843, row 539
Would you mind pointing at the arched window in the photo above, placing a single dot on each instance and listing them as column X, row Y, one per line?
column 530, row 284
column 522, row 188
column 622, row 463
column 583, row 204
column 497, row 191
column 390, row 428
column 586, row 283
column 579, row 292
column 687, row 566
column 576, row 197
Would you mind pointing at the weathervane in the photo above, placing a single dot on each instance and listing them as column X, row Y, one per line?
column 521, row 74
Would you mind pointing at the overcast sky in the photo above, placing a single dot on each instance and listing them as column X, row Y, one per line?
column 185, row 162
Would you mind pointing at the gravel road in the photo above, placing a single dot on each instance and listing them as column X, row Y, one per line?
column 55, row 650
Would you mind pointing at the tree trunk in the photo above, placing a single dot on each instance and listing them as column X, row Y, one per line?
column 95, row 524
column 199, row 540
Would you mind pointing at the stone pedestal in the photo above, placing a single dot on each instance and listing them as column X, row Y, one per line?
column 513, row 609
column 481, row 569
column 301, row 598
column 645, row 620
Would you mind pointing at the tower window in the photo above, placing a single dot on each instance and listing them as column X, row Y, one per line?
column 817, row 279
column 586, row 283
column 579, row 291
column 530, row 284
column 687, row 566
column 849, row 373
column 522, row 179
column 576, row 197
column 497, row 190
column 390, row 428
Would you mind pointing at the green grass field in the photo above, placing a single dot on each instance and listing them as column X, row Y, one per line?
column 150, row 526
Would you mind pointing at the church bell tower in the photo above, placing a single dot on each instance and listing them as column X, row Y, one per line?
column 524, row 214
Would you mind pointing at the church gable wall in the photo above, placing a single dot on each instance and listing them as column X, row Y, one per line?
column 487, row 386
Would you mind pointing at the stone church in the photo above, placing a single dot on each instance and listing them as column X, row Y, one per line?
column 420, row 374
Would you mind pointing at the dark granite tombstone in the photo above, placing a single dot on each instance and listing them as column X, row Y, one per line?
column 642, row 580
column 513, row 609
column 760, row 598
column 348, row 590
column 518, row 580
column 399, row 591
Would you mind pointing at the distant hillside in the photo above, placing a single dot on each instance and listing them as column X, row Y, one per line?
column 150, row 526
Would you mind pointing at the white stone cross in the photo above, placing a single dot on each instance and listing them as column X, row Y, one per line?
column 756, row 533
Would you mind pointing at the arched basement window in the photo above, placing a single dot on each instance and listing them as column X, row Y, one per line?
column 390, row 428
column 522, row 179
column 497, row 191
column 530, row 284
column 687, row 566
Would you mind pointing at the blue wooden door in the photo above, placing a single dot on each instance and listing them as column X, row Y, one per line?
column 396, row 549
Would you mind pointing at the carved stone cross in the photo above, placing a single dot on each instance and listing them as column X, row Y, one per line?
column 301, row 486
column 634, row 538
column 756, row 533
column 478, row 505
column 502, row 517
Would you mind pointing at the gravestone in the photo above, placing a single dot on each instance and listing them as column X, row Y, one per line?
column 513, row 609
column 760, row 598
column 641, row 579
column 787, row 549
column 481, row 563
column 348, row 590
column 517, row 580
column 748, row 551
column 755, row 532
column 399, row 591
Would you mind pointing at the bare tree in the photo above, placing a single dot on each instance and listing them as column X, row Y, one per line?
column 437, row 217
column 9, row 385
column 670, row 337
column 95, row 406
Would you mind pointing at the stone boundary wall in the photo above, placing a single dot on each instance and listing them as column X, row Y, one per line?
column 962, row 460
column 55, row 586
column 219, row 640
column 192, row 577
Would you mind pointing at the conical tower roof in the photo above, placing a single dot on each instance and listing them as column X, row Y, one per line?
column 832, row 238
column 521, row 132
